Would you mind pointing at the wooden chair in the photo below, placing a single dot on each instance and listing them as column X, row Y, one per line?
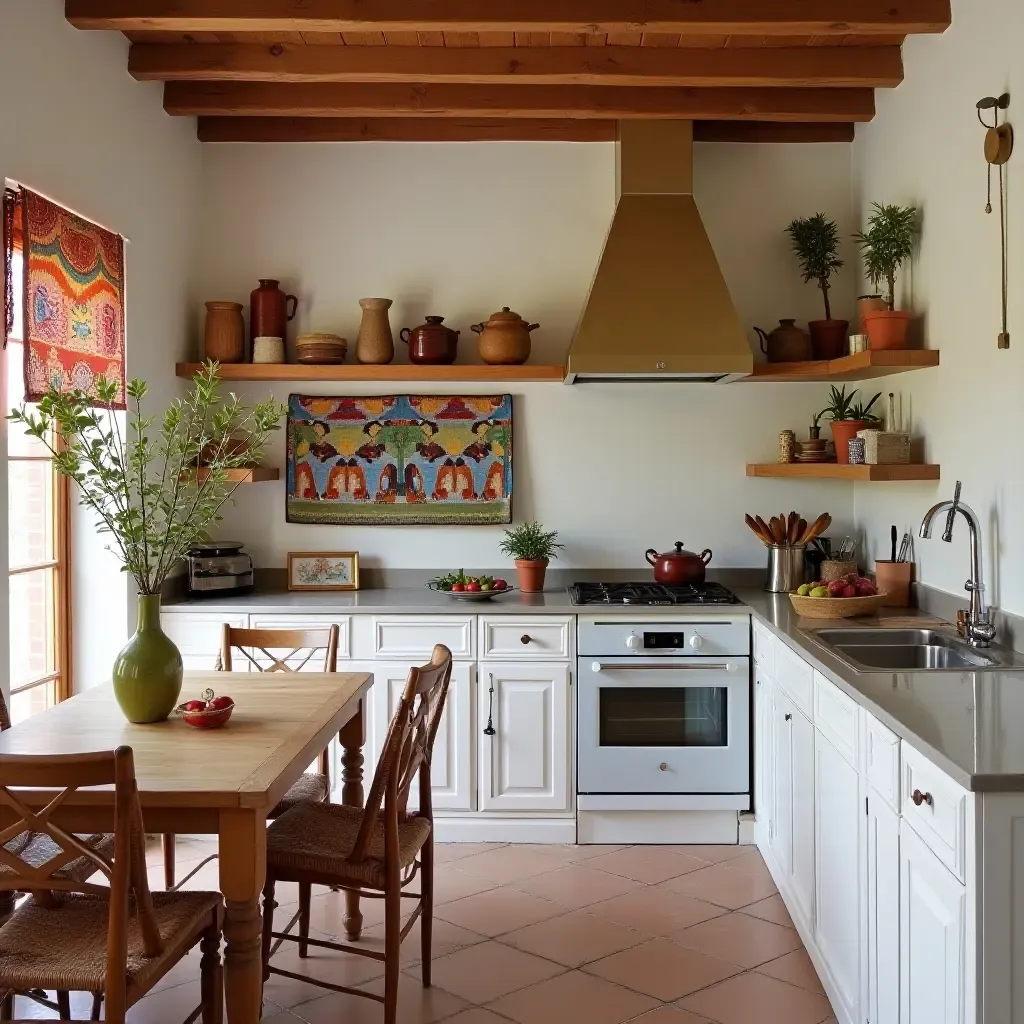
column 116, row 941
column 301, row 645
column 380, row 848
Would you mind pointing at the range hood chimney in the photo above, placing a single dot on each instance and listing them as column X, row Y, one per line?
column 658, row 307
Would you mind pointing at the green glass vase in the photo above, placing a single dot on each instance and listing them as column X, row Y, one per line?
column 147, row 673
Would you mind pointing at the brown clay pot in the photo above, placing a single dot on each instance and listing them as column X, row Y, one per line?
column 431, row 343
column 268, row 310
column 842, row 432
column 374, row 343
column 531, row 574
column 787, row 343
column 867, row 304
column 828, row 338
column 224, row 336
column 505, row 338
column 888, row 328
column 678, row 566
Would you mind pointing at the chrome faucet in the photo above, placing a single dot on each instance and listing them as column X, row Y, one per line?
column 976, row 626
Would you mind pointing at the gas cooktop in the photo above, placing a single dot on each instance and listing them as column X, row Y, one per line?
column 651, row 593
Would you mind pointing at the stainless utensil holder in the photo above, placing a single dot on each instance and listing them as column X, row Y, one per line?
column 785, row 568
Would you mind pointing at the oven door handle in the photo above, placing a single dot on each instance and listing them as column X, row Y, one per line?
column 658, row 666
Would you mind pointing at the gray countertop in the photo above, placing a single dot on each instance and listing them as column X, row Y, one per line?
column 971, row 724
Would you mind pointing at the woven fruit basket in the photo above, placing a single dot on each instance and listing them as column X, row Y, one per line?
column 836, row 607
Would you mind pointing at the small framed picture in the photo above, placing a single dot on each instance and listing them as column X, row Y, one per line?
column 323, row 570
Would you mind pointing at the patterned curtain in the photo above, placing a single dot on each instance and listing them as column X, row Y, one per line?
column 74, row 301
column 11, row 209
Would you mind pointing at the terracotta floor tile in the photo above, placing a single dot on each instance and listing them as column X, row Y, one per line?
column 444, row 852
column 655, row 910
column 562, row 852
column 575, row 939
column 446, row 938
column 506, row 865
column 648, row 863
column 714, row 854
column 498, row 911
column 796, row 968
column 416, row 1005
column 488, row 971
column 477, row 1015
column 754, row 997
column 450, row 883
column 740, row 939
column 770, row 909
column 670, row 1015
column 723, row 885
column 573, row 996
column 327, row 913
column 662, row 969
column 577, row 885
column 752, row 863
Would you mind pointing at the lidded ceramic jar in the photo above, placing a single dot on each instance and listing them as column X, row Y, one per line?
column 504, row 338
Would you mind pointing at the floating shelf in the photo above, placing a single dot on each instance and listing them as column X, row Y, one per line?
column 461, row 373
column 256, row 475
column 843, row 471
column 859, row 366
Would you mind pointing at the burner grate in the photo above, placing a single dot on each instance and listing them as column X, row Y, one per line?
column 651, row 593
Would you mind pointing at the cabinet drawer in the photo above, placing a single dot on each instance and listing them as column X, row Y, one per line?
column 796, row 677
column 198, row 635
column 835, row 715
column 940, row 818
column 412, row 637
column 324, row 622
column 881, row 759
column 545, row 639
column 764, row 649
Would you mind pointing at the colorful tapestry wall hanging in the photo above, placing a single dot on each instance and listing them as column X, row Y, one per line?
column 400, row 459
column 74, row 301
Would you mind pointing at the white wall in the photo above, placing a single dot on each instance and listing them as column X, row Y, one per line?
column 462, row 230
column 925, row 147
column 76, row 127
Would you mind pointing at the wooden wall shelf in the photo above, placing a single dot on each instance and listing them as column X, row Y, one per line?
column 256, row 475
column 837, row 471
column 859, row 366
column 461, row 373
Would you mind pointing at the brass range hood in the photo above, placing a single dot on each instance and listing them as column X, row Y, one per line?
column 658, row 308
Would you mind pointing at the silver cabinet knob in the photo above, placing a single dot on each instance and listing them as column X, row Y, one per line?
column 663, row 766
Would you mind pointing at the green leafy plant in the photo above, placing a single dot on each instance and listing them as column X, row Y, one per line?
column 841, row 406
column 815, row 241
column 887, row 244
column 530, row 542
column 143, row 485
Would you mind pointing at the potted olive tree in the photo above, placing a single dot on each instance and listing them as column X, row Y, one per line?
column 148, row 493
column 532, row 547
column 847, row 416
column 815, row 241
column 886, row 245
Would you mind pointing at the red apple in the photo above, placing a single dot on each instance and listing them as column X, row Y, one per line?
column 219, row 703
column 458, row 588
column 866, row 589
column 836, row 588
column 499, row 584
column 473, row 587
column 195, row 705
column 850, row 591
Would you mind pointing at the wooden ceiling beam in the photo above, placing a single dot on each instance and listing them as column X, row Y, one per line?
column 259, row 99
column 808, row 66
column 443, row 129
column 714, row 17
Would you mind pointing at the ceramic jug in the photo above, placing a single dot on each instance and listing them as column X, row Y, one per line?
column 786, row 344
column 269, row 310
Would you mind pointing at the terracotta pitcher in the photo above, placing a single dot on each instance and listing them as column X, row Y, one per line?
column 224, row 337
column 374, row 342
column 268, row 310
column 786, row 344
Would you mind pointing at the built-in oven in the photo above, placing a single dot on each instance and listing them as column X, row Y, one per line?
column 664, row 708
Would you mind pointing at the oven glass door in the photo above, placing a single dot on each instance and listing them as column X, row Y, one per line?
column 665, row 725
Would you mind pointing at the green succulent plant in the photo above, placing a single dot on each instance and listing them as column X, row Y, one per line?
column 842, row 406
column 815, row 241
column 887, row 244
column 530, row 542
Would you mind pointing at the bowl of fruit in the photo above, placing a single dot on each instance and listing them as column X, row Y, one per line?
column 210, row 712
column 839, row 599
column 470, row 588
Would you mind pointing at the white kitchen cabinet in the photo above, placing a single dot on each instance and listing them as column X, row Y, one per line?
column 763, row 752
column 880, row 939
column 318, row 622
column 524, row 765
column 932, row 937
column 837, row 823
column 198, row 636
column 792, row 834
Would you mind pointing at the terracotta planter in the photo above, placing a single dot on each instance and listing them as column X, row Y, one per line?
column 867, row 304
column 828, row 338
column 842, row 432
column 224, row 338
column 531, row 574
column 887, row 328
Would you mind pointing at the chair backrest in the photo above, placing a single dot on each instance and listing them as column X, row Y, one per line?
column 301, row 645
column 407, row 750
column 125, row 873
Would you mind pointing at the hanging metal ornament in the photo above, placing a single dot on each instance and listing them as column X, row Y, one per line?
column 998, row 148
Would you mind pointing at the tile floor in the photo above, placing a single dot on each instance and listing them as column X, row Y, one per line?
column 544, row 934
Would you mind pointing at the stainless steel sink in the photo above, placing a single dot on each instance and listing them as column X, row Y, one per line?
column 905, row 650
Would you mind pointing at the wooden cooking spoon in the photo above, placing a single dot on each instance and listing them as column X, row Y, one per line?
column 778, row 530
column 817, row 528
column 765, row 530
column 791, row 534
column 756, row 530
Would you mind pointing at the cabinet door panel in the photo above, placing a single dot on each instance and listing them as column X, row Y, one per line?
column 763, row 784
column 524, row 766
column 881, row 946
column 197, row 635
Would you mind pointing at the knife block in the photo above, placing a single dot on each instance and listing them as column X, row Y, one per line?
column 893, row 579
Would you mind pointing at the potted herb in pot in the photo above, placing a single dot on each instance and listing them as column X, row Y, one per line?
column 147, row 494
column 532, row 547
column 847, row 416
column 815, row 241
column 886, row 245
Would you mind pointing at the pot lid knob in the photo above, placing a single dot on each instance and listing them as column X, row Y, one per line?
column 679, row 547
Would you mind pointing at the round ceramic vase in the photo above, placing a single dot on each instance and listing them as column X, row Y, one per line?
column 147, row 673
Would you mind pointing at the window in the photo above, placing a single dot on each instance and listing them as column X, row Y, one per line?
column 37, row 530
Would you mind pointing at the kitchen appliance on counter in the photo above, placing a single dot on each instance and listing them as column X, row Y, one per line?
column 218, row 569
column 663, row 728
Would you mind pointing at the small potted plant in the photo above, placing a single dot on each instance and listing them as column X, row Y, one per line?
column 815, row 430
column 886, row 245
column 532, row 547
column 847, row 416
column 815, row 241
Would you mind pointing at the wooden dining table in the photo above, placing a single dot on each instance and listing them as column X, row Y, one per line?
column 221, row 782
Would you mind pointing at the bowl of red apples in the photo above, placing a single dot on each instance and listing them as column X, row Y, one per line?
column 210, row 712
column 837, row 599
